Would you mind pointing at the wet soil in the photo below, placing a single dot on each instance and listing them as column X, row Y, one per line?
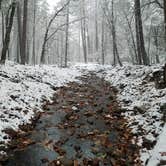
column 83, row 126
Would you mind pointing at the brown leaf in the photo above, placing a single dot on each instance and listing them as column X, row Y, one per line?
column 48, row 144
column 60, row 151
column 75, row 163
column 23, row 142
column 88, row 113
column 27, row 142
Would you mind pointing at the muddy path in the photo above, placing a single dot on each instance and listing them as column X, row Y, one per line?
column 83, row 126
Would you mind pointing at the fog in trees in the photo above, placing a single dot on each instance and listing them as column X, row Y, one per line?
column 99, row 31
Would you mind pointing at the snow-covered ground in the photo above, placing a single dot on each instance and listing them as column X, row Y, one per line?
column 142, row 103
column 23, row 89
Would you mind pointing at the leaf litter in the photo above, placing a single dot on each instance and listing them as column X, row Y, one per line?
column 82, row 126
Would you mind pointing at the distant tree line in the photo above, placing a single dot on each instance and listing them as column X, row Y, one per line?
column 102, row 31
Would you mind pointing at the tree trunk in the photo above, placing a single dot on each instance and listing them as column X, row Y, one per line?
column 0, row 4
column 24, row 32
column 164, row 2
column 83, row 31
column 34, row 33
column 103, row 41
column 142, row 55
column 3, row 27
column 156, row 43
column 165, row 75
column 96, row 26
column 8, row 32
column 115, row 48
column 67, row 35
column 19, row 31
column 135, row 58
column 42, row 59
column 88, row 40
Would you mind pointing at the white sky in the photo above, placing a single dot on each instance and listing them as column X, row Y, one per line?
column 52, row 3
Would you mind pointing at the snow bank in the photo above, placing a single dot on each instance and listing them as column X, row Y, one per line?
column 23, row 90
column 159, row 152
column 141, row 102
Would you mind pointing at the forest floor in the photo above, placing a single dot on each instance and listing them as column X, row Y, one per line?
column 88, row 114
column 82, row 126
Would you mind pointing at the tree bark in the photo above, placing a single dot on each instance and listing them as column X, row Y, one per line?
column 165, row 75
column 114, row 39
column 156, row 43
column 96, row 26
column 3, row 27
column 0, row 4
column 141, row 52
column 67, row 36
column 103, row 42
column 24, row 33
column 34, row 33
column 19, row 31
column 164, row 2
column 83, row 31
column 42, row 59
column 8, row 32
column 135, row 58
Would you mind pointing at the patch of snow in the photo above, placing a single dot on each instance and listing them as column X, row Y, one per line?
column 23, row 89
column 141, row 102
column 74, row 108
column 159, row 152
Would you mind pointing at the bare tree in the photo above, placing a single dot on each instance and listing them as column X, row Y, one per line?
column 42, row 60
column 24, row 33
column 103, row 40
column 83, row 30
column 111, row 25
column 3, row 26
column 96, row 26
column 19, row 31
column 132, row 42
column 9, row 24
column 34, row 32
column 67, row 35
column 141, row 52
column 165, row 21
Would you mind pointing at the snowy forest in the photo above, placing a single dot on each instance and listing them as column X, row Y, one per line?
column 106, row 32
column 82, row 82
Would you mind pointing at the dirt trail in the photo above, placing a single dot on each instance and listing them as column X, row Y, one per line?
column 83, row 126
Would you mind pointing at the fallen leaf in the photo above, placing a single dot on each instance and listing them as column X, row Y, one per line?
column 60, row 151
column 75, row 163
